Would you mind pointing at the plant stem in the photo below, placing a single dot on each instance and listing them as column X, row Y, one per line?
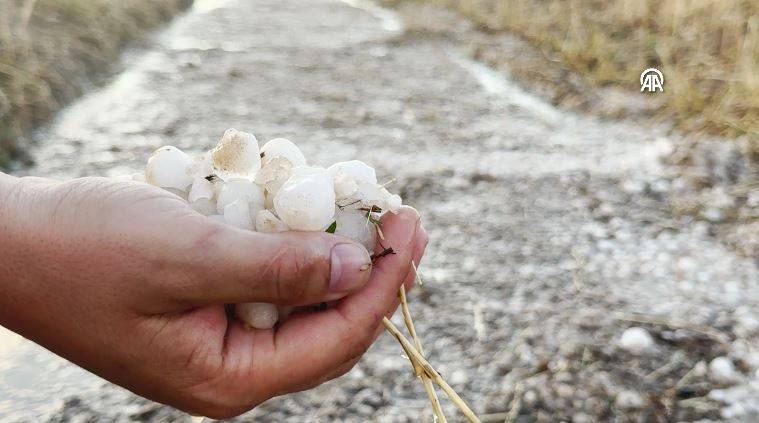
column 408, row 347
column 431, row 394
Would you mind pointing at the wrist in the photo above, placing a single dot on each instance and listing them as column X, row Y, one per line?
column 15, row 238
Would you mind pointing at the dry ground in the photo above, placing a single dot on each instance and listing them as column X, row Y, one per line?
column 551, row 231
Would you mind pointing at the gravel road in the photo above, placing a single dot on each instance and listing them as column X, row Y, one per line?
column 550, row 231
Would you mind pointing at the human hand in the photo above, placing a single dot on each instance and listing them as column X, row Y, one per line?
column 129, row 282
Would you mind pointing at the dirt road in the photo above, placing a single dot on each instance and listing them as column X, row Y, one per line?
column 549, row 230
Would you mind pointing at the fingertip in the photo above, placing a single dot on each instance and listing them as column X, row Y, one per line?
column 407, row 215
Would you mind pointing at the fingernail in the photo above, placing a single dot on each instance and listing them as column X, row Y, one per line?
column 349, row 267
column 410, row 220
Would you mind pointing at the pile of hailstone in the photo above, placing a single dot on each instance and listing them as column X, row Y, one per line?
column 271, row 189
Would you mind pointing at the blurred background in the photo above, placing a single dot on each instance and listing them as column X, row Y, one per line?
column 594, row 248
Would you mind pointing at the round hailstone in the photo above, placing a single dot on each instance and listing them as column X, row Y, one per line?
column 267, row 222
column 167, row 168
column 355, row 225
column 240, row 188
column 354, row 169
column 257, row 315
column 306, row 202
column 393, row 203
column 236, row 154
column 722, row 371
column 238, row 214
column 281, row 147
column 637, row 340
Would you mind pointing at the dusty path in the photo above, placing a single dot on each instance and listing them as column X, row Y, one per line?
column 545, row 226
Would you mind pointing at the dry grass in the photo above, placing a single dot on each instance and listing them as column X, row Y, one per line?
column 708, row 50
column 51, row 49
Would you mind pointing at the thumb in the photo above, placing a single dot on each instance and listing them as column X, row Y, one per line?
column 292, row 268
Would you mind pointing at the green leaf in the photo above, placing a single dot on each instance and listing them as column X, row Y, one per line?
column 332, row 228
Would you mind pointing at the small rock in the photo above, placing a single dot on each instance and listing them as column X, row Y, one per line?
column 700, row 369
column 458, row 378
column 629, row 400
column 564, row 391
column 747, row 323
column 581, row 418
column 722, row 371
column 637, row 341
column 530, row 398
column 713, row 215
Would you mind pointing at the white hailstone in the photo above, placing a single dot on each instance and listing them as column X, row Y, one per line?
column 354, row 169
column 257, row 315
column 389, row 202
column 369, row 195
column 636, row 340
column 394, row 203
column 355, row 225
column 202, row 165
column 267, row 222
column 274, row 174
column 237, row 214
column 240, row 188
column 350, row 177
column 345, row 187
column 306, row 202
column 204, row 206
column 722, row 371
column 201, row 188
column 272, row 191
column 168, row 168
column 269, row 199
column 283, row 148
column 236, row 154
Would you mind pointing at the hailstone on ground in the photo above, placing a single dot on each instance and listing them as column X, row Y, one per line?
column 272, row 191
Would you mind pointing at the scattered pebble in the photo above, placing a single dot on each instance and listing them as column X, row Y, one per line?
column 637, row 340
column 629, row 400
column 722, row 371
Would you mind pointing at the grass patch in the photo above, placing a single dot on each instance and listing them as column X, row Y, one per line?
column 708, row 50
column 51, row 49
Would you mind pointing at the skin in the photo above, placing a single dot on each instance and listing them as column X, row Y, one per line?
column 127, row 281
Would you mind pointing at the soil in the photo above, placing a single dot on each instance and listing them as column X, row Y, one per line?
column 551, row 232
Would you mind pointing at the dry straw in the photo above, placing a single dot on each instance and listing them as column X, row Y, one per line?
column 422, row 367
